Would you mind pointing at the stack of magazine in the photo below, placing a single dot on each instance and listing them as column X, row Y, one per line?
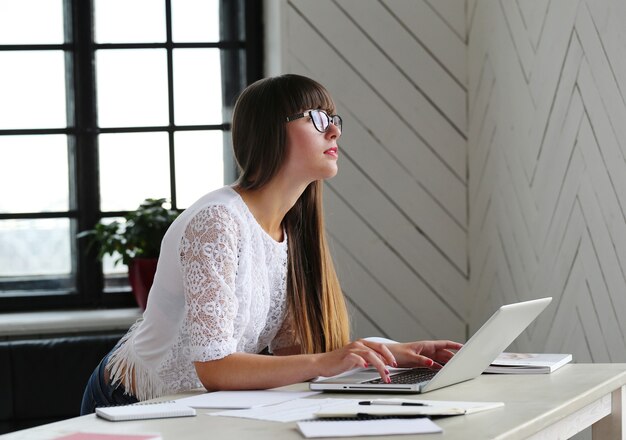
column 528, row 363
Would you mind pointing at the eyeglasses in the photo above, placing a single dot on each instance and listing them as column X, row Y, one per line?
column 321, row 119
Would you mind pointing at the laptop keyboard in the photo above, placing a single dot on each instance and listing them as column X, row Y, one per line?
column 415, row 375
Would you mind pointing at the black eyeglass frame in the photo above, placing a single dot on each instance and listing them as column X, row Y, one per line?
column 334, row 119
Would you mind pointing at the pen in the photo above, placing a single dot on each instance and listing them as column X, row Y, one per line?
column 387, row 402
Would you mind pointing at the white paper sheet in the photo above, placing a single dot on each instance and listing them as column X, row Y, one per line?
column 304, row 409
column 291, row 411
column 349, row 428
column 242, row 399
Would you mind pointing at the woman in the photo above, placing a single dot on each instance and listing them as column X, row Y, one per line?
column 247, row 268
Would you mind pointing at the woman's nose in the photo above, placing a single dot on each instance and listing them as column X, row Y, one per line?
column 333, row 130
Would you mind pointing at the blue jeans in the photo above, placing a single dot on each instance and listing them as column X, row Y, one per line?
column 101, row 392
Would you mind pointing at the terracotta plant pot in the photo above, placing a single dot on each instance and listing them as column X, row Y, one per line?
column 141, row 275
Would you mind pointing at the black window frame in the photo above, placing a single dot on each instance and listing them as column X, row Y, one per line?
column 241, row 35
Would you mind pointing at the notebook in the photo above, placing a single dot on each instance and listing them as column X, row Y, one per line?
column 528, row 363
column 468, row 363
column 141, row 411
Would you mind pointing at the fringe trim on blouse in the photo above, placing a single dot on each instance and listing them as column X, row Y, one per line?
column 128, row 368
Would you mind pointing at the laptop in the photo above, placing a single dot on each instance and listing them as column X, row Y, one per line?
column 469, row 362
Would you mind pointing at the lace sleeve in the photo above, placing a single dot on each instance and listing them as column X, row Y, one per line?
column 209, row 258
column 285, row 337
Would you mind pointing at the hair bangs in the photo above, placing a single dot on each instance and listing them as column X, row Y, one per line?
column 305, row 93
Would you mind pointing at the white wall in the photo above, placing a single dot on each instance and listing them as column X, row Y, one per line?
column 396, row 213
column 474, row 171
column 547, row 170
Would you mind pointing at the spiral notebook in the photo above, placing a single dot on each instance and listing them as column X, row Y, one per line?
column 141, row 411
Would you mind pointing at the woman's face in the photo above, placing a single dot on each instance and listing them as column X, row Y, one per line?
column 310, row 154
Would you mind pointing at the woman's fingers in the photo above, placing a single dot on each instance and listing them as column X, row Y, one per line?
column 373, row 354
column 443, row 350
column 430, row 354
column 381, row 368
column 382, row 350
column 444, row 356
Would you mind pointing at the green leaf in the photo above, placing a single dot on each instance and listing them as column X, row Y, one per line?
column 140, row 235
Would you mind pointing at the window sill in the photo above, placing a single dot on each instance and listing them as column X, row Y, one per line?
column 36, row 324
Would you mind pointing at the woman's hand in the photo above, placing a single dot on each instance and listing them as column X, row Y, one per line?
column 430, row 354
column 358, row 354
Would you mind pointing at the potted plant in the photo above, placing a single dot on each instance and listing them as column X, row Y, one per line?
column 136, row 243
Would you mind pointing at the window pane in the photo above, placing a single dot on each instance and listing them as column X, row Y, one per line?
column 132, row 87
column 130, row 21
column 199, row 164
column 31, row 22
column 27, row 162
column 32, row 89
column 195, row 20
column 197, row 86
column 34, row 247
column 133, row 167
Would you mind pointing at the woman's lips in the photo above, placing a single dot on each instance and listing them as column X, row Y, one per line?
column 331, row 151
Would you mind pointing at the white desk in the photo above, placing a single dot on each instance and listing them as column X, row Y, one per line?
column 536, row 406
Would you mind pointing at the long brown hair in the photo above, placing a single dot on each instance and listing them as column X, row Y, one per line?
column 316, row 302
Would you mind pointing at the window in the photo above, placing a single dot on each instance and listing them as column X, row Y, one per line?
column 104, row 103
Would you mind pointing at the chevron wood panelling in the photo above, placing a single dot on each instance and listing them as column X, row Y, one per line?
column 396, row 212
column 547, row 169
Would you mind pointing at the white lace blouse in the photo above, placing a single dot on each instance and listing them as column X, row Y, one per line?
column 220, row 288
